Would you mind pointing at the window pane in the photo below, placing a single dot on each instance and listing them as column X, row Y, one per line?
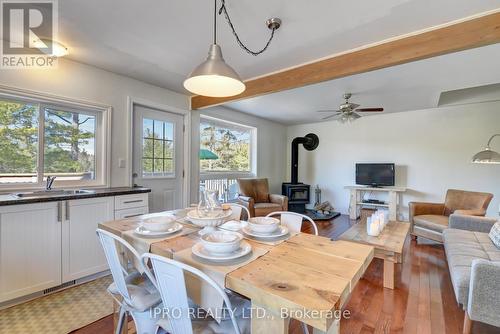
column 158, row 153
column 169, row 149
column 147, row 148
column 147, row 128
column 169, row 131
column 158, row 166
column 158, row 129
column 147, row 165
column 69, row 147
column 18, row 142
column 224, row 147
column 169, row 166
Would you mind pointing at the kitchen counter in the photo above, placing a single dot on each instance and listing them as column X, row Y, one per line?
column 10, row 199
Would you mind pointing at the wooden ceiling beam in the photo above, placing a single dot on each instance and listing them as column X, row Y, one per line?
column 473, row 33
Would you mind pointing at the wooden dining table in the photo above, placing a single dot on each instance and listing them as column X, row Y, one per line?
column 306, row 277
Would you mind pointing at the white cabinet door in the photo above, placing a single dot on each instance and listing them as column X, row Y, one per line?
column 82, row 254
column 30, row 249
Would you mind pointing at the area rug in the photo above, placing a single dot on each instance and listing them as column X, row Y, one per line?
column 61, row 312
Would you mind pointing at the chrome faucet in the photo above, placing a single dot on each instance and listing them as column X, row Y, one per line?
column 50, row 180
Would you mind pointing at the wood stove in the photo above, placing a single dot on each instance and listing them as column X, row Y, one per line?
column 299, row 193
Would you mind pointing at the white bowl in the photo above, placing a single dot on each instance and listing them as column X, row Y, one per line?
column 158, row 224
column 209, row 222
column 263, row 224
column 221, row 241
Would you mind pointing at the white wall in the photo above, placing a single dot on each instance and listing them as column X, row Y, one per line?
column 431, row 148
column 271, row 145
column 83, row 82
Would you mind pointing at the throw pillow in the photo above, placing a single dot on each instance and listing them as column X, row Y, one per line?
column 495, row 234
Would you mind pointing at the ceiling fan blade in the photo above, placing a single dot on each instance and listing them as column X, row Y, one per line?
column 331, row 116
column 370, row 109
column 327, row 110
column 353, row 105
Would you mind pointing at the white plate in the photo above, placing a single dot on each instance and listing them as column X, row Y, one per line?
column 140, row 230
column 281, row 231
column 200, row 251
column 233, row 225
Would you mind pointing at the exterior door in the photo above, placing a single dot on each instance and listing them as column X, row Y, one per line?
column 159, row 156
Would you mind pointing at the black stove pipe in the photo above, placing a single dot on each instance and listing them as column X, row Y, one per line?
column 310, row 142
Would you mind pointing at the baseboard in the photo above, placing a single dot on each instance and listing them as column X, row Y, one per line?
column 55, row 289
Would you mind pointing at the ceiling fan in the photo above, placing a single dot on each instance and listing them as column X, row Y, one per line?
column 348, row 112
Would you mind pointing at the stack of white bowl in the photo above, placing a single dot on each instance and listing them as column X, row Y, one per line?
column 221, row 242
column 159, row 224
column 263, row 225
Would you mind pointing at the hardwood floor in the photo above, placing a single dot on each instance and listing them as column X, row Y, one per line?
column 422, row 302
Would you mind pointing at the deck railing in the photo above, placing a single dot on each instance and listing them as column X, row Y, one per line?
column 226, row 186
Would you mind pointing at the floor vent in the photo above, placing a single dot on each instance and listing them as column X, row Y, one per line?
column 59, row 287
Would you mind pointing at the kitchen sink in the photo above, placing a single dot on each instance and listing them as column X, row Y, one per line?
column 55, row 192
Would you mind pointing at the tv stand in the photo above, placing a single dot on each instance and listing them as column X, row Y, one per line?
column 392, row 204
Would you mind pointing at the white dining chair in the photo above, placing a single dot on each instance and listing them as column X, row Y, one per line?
column 293, row 220
column 137, row 288
column 237, row 209
column 171, row 284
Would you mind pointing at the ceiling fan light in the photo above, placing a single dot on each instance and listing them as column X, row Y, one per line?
column 214, row 77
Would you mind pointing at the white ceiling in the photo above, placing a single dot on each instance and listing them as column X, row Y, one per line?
column 161, row 41
column 411, row 86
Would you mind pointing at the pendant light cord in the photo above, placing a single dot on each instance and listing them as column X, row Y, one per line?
column 215, row 21
column 223, row 9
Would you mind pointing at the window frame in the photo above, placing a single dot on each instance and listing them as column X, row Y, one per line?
column 102, row 137
column 212, row 175
column 169, row 175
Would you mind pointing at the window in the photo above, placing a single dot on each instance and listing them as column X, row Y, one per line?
column 40, row 138
column 225, row 147
column 227, row 152
column 157, row 148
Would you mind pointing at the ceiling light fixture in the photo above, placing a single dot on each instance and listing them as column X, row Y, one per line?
column 487, row 156
column 214, row 77
column 58, row 50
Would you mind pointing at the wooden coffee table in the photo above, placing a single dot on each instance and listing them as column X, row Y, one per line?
column 388, row 245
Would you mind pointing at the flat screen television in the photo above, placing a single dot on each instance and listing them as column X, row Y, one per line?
column 375, row 175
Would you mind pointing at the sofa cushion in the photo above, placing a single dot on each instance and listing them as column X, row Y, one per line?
column 462, row 247
column 432, row 222
column 495, row 234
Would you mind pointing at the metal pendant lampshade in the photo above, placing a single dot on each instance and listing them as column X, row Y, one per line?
column 487, row 156
column 214, row 77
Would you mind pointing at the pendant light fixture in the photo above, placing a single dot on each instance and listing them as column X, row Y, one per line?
column 487, row 155
column 214, row 77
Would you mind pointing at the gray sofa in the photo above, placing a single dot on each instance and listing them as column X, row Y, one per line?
column 474, row 263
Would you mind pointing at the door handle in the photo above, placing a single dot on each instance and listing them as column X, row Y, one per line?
column 133, row 201
column 67, row 211
column 59, row 212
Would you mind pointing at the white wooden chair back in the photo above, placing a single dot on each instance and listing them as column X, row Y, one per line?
column 293, row 220
column 237, row 209
column 109, row 243
column 171, row 284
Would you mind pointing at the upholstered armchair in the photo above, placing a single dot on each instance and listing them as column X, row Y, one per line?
column 429, row 220
column 255, row 196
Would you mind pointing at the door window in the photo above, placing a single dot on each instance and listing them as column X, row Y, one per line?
column 158, row 156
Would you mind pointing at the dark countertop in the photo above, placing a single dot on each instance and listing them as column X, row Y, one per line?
column 9, row 199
